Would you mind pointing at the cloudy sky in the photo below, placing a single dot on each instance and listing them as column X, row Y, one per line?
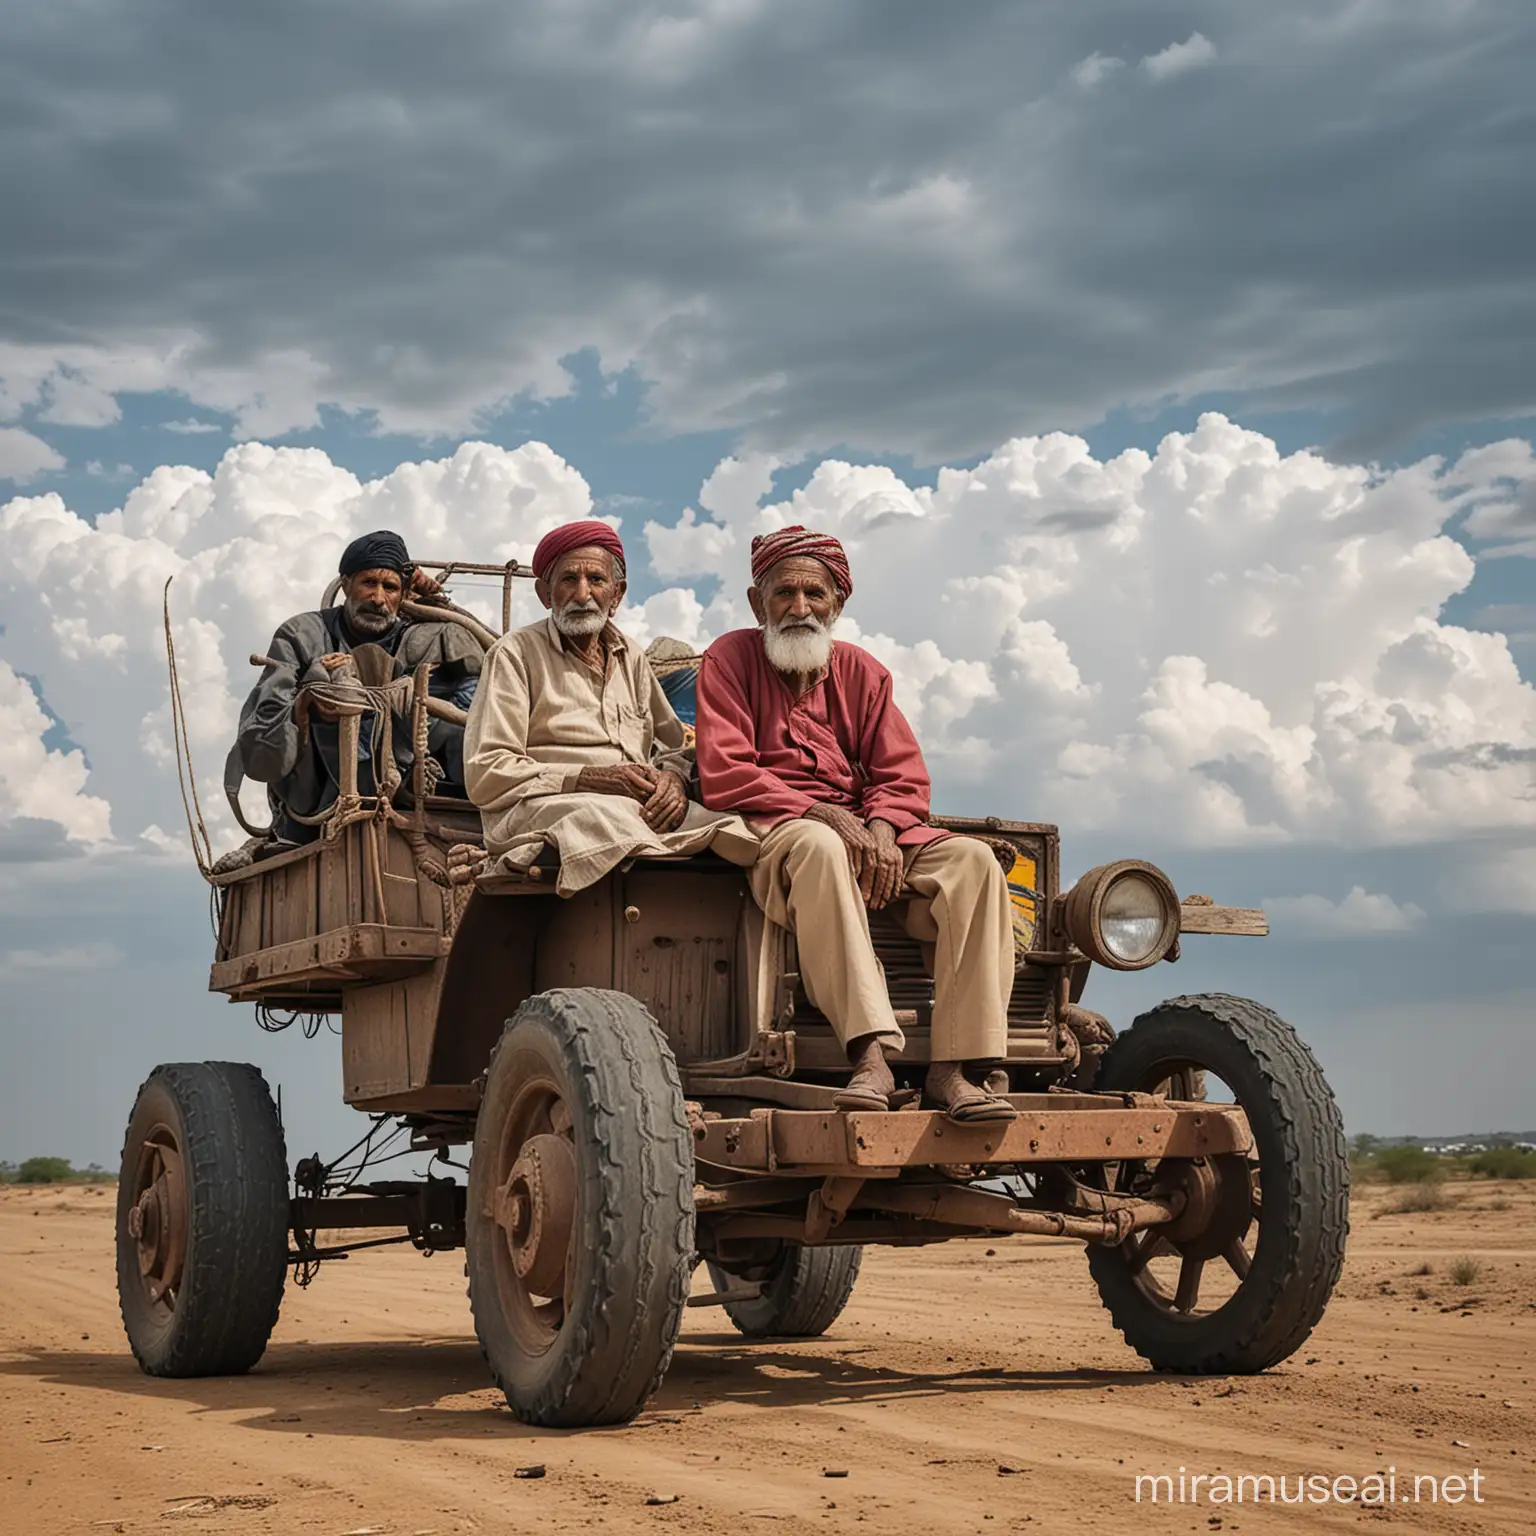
column 1168, row 369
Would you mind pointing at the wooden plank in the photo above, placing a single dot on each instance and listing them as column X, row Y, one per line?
column 375, row 1054
column 284, row 929
column 332, row 876
column 265, row 866
column 1246, row 921
column 361, row 950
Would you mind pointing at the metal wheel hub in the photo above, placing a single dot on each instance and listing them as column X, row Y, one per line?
column 157, row 1220
column 1218, row 1205
column 536, row 1210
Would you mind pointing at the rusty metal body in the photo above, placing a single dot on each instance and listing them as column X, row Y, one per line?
column 386, row 921
column 646, row 1085
column 425, row 972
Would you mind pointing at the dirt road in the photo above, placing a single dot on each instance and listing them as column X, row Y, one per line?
column 959, row 1392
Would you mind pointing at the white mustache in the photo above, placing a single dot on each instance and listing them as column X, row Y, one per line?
column 798, row 645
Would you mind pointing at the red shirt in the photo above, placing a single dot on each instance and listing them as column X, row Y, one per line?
column 770, row 756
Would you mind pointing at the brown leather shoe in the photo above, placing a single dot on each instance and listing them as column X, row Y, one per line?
column 960, row 1099
column 872, row 1084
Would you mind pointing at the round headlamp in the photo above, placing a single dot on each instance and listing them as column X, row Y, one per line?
column 1123, row 915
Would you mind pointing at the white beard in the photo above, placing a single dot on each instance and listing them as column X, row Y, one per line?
column 577, row 623
column 803, row 648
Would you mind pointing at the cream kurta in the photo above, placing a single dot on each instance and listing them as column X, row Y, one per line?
column 541, row 715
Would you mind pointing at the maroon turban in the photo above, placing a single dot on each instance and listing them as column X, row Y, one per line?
column 589, row 534
column 770, row 548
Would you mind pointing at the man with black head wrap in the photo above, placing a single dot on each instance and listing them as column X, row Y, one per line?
column 302, row 769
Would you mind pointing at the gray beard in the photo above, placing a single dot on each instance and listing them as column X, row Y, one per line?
column 579, row 623
column 368, row 625
column 798, row 648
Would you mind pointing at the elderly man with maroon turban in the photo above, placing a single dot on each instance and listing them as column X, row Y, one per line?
column 571, row 742
column 799, row 734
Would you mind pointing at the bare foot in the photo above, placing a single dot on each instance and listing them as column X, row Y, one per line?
column 960, row 1098
column 872, row 1084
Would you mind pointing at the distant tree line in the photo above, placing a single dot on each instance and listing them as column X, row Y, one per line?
column 51, row 1170
column 1396, row 1163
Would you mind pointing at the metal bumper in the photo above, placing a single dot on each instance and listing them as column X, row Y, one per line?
column 1050, row 1128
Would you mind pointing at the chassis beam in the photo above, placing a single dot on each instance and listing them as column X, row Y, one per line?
column 1051, row 1128
column 430, row 1210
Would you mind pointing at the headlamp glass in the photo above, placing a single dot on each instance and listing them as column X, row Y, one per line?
column 1131, row 918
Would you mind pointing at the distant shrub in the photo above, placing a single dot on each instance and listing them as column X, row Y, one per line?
column 1408, row 1165
column 1504, row 1163
column 45, row 1170
column 1465, row 1270
column 1415, row 1198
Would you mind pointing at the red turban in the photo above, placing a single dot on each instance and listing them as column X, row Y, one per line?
column 590, row 534
column 770, row 548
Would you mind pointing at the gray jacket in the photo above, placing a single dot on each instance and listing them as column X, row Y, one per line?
column 268, row 742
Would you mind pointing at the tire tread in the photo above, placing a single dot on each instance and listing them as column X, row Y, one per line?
column 642, row 1228
column 1314, row 1221
column 236, row 1172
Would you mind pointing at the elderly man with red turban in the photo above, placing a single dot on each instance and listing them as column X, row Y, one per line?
column 799, row 734
column 571, row 741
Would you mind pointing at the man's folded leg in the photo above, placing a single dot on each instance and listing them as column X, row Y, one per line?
column 802, row 880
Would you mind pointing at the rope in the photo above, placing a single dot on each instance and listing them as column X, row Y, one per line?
column 352, row 697
column 197, row 829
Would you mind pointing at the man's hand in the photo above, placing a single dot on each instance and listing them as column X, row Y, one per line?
column 635, row 781
column 423, row 585
column 872, row 853
column 665, row 810
column 323, row 709
column 884, row 874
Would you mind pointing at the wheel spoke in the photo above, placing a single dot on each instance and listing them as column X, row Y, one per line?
column 1141, row 1249
column 1188, row 1292
column 1237, row 1258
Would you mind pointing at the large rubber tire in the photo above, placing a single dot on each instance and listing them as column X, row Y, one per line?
column 1304, row 1173
column 630, row 1253
column 233, row 1206
column 803, row 1293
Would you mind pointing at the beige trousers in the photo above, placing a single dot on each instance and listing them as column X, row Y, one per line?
column 958, row 911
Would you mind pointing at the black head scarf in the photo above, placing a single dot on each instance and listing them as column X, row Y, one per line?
column 381, row 551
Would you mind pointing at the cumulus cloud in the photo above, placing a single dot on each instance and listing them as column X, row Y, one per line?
column 1017, row 253
column 71, row 400
column 1213, row 642
column 1194, row 52
column 24, row 456
column 39, row 784
column 247, row 546
column 1358, row 915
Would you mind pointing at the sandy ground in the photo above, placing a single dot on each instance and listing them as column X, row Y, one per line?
column 961, row 1391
